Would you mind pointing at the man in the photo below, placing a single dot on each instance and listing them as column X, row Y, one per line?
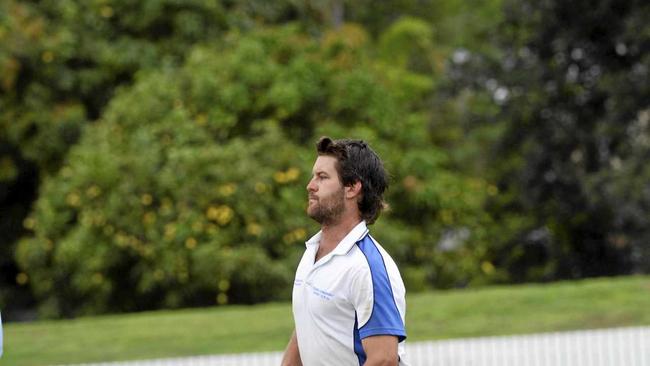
column 348, row 296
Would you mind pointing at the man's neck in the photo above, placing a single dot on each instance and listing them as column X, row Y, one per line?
column 332, row 234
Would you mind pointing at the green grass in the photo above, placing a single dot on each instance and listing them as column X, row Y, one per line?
column 600, row 303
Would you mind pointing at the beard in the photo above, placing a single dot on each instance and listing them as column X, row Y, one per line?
column 328, row 210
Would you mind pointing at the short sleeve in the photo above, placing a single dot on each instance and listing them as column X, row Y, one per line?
column 373, row 298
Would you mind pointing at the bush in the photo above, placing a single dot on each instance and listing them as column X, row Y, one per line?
column 191, row 188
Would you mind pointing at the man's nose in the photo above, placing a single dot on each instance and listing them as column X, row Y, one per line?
column 311, row 186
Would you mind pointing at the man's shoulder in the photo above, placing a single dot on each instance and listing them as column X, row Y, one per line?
column 368, row 244
column 376, row 257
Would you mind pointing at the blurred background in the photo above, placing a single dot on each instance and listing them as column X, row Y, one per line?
column 154, row 154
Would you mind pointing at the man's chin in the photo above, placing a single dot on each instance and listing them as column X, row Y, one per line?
column 312, row 213
column 315, row 214
column 316, row 218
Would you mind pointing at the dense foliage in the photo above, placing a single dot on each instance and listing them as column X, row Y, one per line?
column 60, row 63
column 154, row 154
column 573, row 88
column 190, row 190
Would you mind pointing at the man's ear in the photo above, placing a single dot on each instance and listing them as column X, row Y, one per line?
column 353, row 190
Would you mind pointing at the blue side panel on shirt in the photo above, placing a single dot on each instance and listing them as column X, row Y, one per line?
column 385, row 318
column 358, row 347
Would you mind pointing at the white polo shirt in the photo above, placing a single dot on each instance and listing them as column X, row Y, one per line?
column 352, row 293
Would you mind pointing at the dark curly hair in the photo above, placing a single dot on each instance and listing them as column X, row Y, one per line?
column 356, row 161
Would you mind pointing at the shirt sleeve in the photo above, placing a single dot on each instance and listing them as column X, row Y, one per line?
column 374, row 302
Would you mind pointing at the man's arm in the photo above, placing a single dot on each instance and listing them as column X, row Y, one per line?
column 380, row 350
column 291, row 355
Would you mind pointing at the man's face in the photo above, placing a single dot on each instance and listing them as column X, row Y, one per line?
column 325, row 192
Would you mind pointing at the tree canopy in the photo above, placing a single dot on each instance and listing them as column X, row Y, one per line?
column 155, row 154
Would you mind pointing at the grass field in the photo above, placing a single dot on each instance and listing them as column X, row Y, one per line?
column 600, row 303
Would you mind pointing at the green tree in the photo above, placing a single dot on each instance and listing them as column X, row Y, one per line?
column 190, row 189
column 61, row 62
column 571, row 84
